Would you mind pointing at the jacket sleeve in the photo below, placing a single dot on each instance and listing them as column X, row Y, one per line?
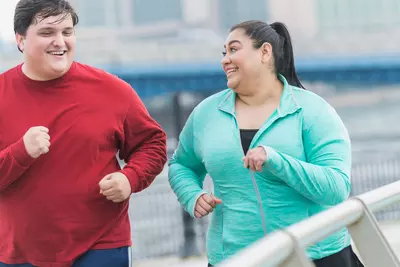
column 143, row 146
column 325, row 176
column 186, row 171
column 14, row 161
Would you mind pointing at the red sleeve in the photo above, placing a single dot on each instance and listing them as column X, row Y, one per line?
column 14, row 161
column 143, row 146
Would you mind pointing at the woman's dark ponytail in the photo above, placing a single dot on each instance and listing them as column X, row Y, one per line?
column 278, row 36
column 284, row 59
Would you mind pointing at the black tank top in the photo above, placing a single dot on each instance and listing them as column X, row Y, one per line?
column 246, row 136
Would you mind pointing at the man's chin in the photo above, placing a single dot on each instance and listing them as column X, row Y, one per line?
column 60, row 70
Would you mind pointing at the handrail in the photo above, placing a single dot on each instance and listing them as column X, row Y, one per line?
column 355, row 213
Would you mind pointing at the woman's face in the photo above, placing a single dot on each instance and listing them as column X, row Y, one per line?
column 242, row 63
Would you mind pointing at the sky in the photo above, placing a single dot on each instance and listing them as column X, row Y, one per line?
column 6, row 18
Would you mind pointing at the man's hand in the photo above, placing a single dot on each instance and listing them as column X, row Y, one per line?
column 255, row 159
column 115, row 187
column 37, row 141
column 205, row 205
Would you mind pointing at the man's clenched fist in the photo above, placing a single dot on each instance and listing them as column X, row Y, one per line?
column 37, row 141
column 115, row 187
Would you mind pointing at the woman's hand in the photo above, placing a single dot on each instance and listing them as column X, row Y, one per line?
column 205, row 205
column 255, row 159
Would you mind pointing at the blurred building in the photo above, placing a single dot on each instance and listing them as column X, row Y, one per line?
column 121, row 32
column 176, row 31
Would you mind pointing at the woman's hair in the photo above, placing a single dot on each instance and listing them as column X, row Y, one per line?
column 278, row 36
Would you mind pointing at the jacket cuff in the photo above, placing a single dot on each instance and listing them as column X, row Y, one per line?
column 272, row 157
column 192, row 205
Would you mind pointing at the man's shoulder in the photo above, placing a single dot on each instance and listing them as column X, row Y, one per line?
column 102, row 77
column 96, row 73
column 8, row 77
column 9, row 72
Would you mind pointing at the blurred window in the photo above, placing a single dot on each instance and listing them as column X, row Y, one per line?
column 153, row 11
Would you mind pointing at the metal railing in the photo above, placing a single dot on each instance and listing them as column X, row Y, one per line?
column 287, row 247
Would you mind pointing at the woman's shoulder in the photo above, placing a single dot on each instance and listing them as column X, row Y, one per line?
column 213, row 101
column 312, row 104
column 318, row 114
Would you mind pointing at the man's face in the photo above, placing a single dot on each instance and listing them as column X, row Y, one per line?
column 48, row 47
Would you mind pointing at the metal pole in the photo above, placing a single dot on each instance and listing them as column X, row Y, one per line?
column 189, row 247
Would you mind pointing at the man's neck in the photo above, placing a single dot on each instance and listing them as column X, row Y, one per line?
column 27, row 70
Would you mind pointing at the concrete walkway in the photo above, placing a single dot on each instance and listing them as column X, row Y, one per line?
column 173, row 262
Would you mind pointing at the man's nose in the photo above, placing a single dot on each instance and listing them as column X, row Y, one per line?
column 59, row 40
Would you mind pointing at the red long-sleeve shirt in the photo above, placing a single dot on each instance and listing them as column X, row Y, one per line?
column 51, row 209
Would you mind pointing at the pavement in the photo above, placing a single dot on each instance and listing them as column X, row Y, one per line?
column 173, row 262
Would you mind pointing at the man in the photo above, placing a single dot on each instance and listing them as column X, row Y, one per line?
column 63, row 197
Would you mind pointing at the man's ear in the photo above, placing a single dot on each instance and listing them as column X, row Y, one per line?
column 20, row 39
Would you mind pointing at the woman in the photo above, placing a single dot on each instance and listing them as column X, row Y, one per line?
column 277, row 154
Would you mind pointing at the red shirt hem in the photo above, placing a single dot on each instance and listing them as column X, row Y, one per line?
column 112, row 245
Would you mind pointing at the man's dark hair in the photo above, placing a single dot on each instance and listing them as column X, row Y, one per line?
column 28, row 12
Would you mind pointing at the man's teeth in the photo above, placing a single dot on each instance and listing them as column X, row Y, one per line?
column 57, row 53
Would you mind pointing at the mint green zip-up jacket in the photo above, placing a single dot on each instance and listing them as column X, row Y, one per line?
column 307, row 170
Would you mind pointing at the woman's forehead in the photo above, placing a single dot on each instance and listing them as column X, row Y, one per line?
column 237, row 35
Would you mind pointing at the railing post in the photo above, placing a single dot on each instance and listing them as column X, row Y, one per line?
column 370, row 241
column 189, row 247
column 298, row 257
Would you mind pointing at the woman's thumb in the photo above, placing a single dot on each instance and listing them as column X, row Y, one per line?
column 217, row 200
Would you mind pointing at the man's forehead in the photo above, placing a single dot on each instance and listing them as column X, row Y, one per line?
column 62, row 20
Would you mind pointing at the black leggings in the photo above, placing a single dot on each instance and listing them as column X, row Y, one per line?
column 343, row 258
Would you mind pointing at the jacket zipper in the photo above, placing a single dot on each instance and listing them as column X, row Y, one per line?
column 256, row 189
